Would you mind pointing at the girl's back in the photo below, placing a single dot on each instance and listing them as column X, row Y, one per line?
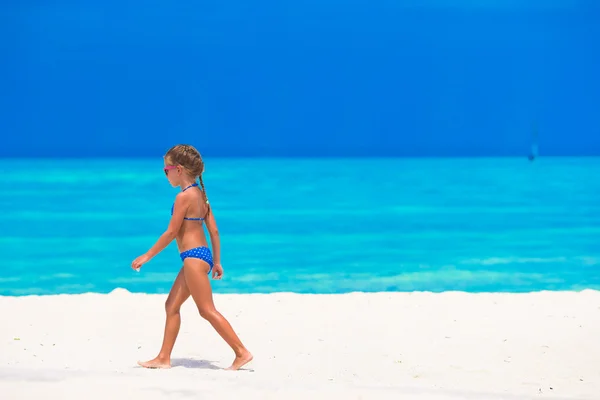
column 191, row 233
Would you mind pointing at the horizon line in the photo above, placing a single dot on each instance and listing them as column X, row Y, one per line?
column 208, row 156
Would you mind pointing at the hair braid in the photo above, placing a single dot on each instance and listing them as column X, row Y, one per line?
column 205, row 196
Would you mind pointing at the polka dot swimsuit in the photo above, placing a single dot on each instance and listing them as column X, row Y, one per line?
column 203, row 253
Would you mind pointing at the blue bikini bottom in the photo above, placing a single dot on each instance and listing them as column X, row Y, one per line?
column 203, row 253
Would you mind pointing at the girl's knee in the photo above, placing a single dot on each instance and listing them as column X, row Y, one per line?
column 207, row 313
column 171, row 308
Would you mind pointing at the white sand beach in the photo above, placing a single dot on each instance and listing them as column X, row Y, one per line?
column 355, row 346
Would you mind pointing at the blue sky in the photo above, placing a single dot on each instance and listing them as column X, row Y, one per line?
column 310, row 78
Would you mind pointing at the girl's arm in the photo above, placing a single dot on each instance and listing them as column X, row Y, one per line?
column 215, row 242
column 179, row 209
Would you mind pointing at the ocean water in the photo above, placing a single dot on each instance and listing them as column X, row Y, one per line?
column 308, row 225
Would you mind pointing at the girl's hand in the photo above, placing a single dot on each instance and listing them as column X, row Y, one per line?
column 217, row 272
column 138, row 262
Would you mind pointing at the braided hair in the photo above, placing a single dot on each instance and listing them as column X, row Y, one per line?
column 189, row 159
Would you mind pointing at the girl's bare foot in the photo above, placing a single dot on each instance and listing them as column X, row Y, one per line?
column 156, row 363
column 240, row 361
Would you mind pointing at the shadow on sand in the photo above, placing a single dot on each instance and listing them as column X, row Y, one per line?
column 199, row 364
column 193, row 363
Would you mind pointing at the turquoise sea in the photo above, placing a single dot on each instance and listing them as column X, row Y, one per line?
column 308, row 225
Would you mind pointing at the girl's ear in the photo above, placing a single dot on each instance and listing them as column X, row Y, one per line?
column 179, row 170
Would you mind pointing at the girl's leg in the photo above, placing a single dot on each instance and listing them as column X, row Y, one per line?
column 177, row 296
column 196, row 277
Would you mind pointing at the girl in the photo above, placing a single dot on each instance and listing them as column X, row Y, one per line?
column 183, row 164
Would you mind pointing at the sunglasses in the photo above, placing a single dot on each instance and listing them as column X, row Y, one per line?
column 169, row 167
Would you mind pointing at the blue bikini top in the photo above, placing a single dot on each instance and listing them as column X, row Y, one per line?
column 188, row 219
